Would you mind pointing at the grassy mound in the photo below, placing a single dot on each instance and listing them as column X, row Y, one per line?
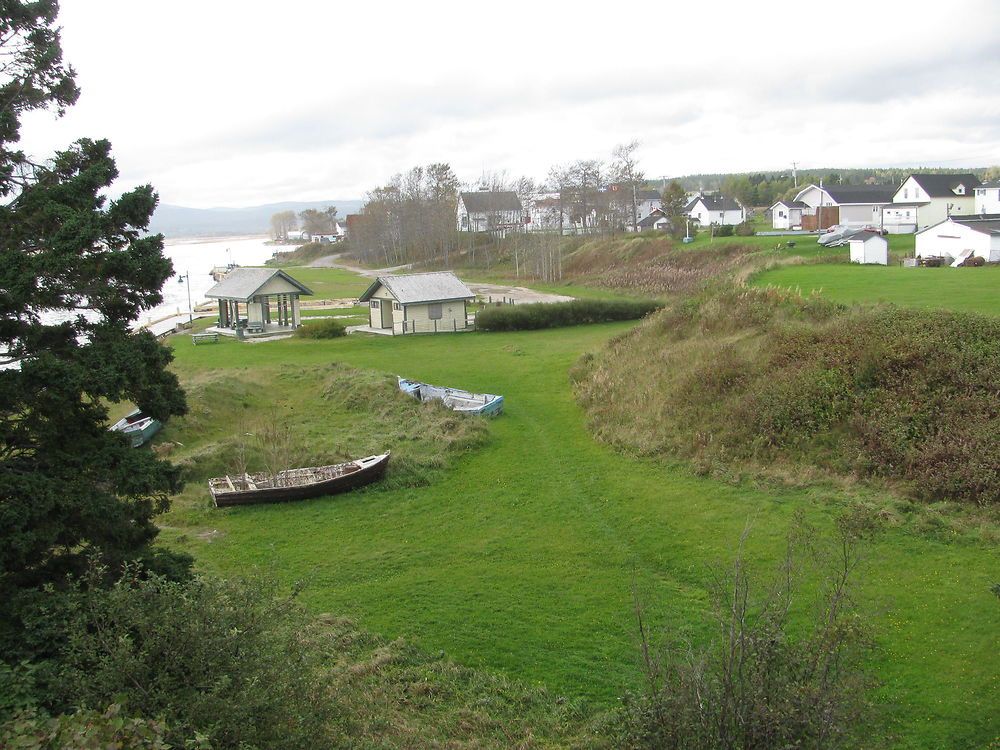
column 268, row 419
column 787, row 383
column 302, row 254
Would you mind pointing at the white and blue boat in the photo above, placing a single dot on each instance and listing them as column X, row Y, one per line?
column 455, row 399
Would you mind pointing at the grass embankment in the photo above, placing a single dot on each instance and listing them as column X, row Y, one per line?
column 959, row 289
column 522, row 555
column 655, row 264
column 748, row 380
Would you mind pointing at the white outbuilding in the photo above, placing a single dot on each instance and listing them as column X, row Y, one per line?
column 434, row 302
column 960, row 238
column 869, row 247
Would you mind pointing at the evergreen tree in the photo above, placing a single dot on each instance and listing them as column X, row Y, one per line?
column 75, row 271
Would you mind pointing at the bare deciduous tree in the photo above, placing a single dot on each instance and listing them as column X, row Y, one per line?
column 627, row 178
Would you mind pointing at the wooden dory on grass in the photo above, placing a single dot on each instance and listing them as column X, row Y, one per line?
column 297, row 484
column 455, row 399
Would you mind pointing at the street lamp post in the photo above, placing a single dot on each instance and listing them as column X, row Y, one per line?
column 187, row 277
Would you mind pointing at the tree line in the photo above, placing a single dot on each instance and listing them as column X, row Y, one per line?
column 413, row 217
column 311, row 221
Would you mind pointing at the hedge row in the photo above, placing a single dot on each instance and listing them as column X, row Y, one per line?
column 530, row 317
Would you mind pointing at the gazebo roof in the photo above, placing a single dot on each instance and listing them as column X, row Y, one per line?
column 245, row 283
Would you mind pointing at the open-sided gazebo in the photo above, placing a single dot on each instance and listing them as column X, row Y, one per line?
column 257, row 302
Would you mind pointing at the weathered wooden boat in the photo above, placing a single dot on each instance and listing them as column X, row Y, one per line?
column 138, row 427
column 297, row 484
column 453, row 398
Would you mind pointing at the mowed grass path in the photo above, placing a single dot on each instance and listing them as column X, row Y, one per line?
column 522, row 559
column 962, row 289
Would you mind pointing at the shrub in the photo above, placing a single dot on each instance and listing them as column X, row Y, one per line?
column 773, row 676
column 229, row 661
column 85, row 730
column 535, row 316
column 325, row 328
column 743, row 230
column 723, row 230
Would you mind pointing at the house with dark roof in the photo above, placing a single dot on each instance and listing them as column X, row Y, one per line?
column 923, row 200
column 435, row 302
column 257, row 302
column 850, row 205
column 959, row 237
column 497, row 211
column 716, row 209
column 657, row 219
column 787, row 214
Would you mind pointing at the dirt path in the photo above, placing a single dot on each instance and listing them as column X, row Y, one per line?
column 521, row 295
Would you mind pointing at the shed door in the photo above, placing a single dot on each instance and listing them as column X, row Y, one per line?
column 386, row 305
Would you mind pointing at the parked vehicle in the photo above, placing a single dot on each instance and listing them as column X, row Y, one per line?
column 839, row 237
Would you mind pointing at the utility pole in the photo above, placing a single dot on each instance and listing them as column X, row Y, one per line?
column 795, row 174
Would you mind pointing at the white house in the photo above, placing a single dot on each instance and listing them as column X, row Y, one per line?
column 869, row 247
column 924, row 200
column 434, row 302
column 787, row 214
column 961, row 237
column 850, row 205
column 655, row 220
column 647, row 201
column 988, row 198
column 496, row 211
column 716, row 209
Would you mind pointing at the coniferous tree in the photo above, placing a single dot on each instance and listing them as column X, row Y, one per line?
column 75, row 272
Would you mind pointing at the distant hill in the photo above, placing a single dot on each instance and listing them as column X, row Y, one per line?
column 180, row 221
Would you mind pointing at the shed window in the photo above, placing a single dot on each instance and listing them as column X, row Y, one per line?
column 374, row 303
column 434, row 311
column 396, row 306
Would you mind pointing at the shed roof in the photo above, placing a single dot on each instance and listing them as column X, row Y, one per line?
column 243, row 283
column 792, row 204
column 865, row 236
column 491, row 200
column 984, row 223
column 412, row 288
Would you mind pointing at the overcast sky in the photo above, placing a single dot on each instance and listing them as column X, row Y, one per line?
column 225, row 103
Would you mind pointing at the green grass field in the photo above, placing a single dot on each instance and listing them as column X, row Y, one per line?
column 964, row 289
column 329, row 283
column 522, row 557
